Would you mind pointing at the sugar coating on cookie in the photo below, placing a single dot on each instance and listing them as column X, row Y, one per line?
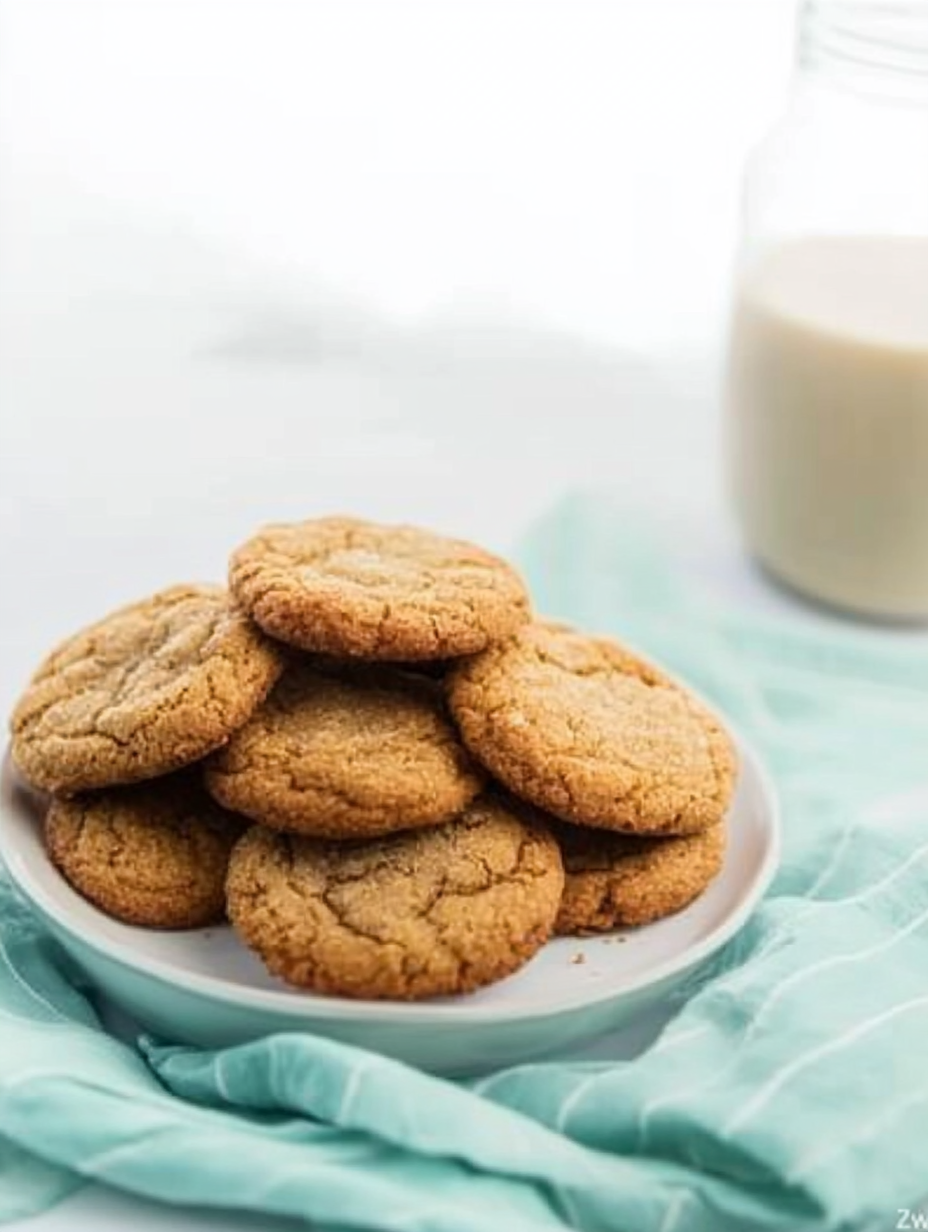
column 148, row 689
column 623, row 880
column 346, row 757
column 347, row 587
column 585, row 729
column 153, row 855
column 422, row 914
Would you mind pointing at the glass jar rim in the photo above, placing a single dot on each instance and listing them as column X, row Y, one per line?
column 874, row 45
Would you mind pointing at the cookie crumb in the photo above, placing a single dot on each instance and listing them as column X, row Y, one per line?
column 578, row 959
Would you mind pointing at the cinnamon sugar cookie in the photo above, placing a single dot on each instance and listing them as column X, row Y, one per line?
column 423, row 914
column 588, row 731
column 155, row 854
column 346, row 757
column 144, row 691
column 614, row 880
column 346, row 587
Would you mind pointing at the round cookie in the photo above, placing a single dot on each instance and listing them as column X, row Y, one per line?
column 422, row 914
column 153, row 855
column 148, row 689
column 586, row 730
column 358, row 589
column 347, row 756
column 621, row 880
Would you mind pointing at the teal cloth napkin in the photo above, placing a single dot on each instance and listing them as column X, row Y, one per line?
column 789, row 1089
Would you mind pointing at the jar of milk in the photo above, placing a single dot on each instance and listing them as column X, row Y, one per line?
column 828, row 366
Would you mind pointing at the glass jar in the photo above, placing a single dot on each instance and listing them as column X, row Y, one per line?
column 827, row 396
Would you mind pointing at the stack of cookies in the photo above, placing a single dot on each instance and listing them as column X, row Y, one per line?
column 394, row 781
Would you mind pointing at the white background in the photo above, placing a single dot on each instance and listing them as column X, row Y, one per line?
column 432, row 259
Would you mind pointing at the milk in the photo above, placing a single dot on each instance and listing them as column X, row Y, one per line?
column 828, row 419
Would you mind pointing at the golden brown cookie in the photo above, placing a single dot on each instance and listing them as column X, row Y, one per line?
column 423, row 914
column 346, row 587
column 155, row 854
column 583, row 728
column 346, row 757
column 144, row 691
column 614, row 880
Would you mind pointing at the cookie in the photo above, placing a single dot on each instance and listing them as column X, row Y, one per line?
column 620, row 880
column 422, row 914
column 144, row 691
column 351, row 588
column 155, row 854
column 586, row 730
column 346, row 757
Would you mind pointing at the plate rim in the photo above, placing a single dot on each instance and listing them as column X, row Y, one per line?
column 295, row 1004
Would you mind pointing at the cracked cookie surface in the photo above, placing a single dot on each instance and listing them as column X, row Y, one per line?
column 583, row 728
column 346, row 757
column 623, row 880
column 153, row 855
column 148, row 689
column 347, row 587
column 422, row 914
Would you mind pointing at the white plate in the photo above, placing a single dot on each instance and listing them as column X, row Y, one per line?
column 204, row 987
